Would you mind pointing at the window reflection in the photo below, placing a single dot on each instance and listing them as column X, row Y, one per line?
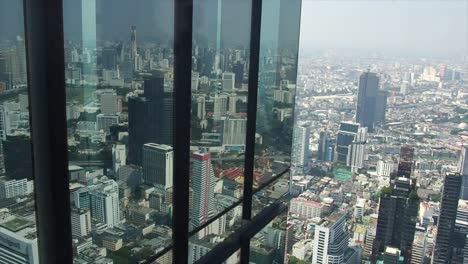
column 18, row 238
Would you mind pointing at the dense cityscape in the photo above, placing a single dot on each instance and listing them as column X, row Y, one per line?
column 369, row 151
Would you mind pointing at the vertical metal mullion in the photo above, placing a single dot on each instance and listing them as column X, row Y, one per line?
column 46, row 86
column 255, row 29
column 183, row 17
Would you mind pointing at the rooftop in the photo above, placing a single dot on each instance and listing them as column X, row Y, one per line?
column 16, row 224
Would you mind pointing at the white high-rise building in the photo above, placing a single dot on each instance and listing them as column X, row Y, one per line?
column 203, row 183
column 369, row 242
column 418, row 251
column 232, row 104
column 305, row 208
column 357, row 150
column 463, row 170
column 330, row 240
column 81, row 222
column 229, row 79
column 158, row 163
column 14, row 188
column 234, row 131
column 195, row 76
column 119, row 157
column 220, row 106
column 104, row 202
column 385, row 168
column 300, row 147
column 201, row 107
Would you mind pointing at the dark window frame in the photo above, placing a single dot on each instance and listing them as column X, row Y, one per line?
column 46, row 83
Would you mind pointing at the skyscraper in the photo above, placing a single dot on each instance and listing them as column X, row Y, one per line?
column 396, row 225
column 133, row 43
column 158, row 165
column 229, row 79
column 88, row 35
column 81, row 222
column 104, row 202
column 138, row 112
column 447, row 216
column 463, row 170
column 330, row 240
column 234, row 131
column 356, row 151
column 150, row 118
column 371, row 105
column 405, row 165
column 325, row 147
column 350, row 145
column 203, row 184
column 300, row 149
column 161, row 102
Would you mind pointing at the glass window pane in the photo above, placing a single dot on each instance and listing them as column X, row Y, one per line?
column 268, row 245
column 276, row 88
column 119, row 83
column 18, row 238
column 220, row 56
column 221, row 228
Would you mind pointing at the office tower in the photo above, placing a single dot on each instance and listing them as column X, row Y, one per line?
column 201, row 107
column 195, row 77
column 104, row 202
column 325, row 147
column 203, row 183
column 18, row 243
column 220, row 106
column 109, row 58
column 104, row 122
column 229, row 79
column 234, row 131
column 158, row 165
column 330, row 239
column 232, row 108
column 17, row 155
column 119, row 157
column 463, row 170
column 81, row 198
column 133, row 43
column 355, row 159
column 88, row 35
column 447, row 216
column 300, row 148
column 380, row 106
column 369, row 241
column 16, row 62
column 109, row 103
column 138, row 113
column 396, row 224
column 238, row 70
column 3, row 129
column 418, row 255
column 81, row 222
column 371, row 103
column 344, row 138
column 405, row 164
column 160, row 103
column 385, row 168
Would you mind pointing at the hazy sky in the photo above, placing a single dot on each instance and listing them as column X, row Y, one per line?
column 415, row 27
